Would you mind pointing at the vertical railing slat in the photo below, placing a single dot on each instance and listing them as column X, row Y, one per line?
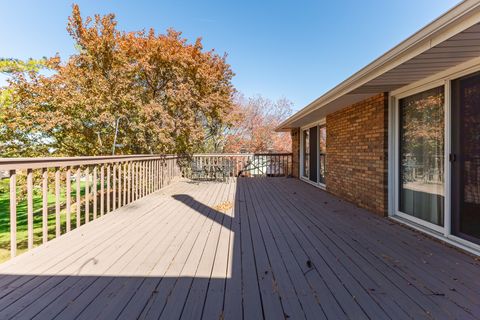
column 124, row 202
column 129, row 179
column 78, row 194
column 102, row 190
column 94, row 192
column 30, row 208
column 137, row 180
column 119, row 185
column 87, row 195
column 114, row 189
column 68, row 196
column 45, row 205
column 108, row 188
column 57, row 202
column 13, row 213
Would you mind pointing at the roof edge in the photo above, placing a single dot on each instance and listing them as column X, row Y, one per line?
column 432, row 34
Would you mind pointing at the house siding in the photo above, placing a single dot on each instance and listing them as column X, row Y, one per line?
column 295, row 133
column 357, row 160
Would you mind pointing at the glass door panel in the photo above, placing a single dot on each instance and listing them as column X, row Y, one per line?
column 313, row 154
column 306, row 154
column 421, row 162
column 322, row 151
column 466, row 157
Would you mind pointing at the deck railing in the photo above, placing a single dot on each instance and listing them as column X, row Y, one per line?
column 102, row 184
column 48, row 197
column 242, row 164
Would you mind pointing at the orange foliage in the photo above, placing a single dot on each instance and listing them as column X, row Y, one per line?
column 254, row 122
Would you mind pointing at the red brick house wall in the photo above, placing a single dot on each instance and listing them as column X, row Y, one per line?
column 357, row 146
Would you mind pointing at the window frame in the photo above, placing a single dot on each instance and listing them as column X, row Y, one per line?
column 318, row 124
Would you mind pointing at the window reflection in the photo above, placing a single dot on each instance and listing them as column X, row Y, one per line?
column 422, row 155
column 322, row 153
column 306, row 153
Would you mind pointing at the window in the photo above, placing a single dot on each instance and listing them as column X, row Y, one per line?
column 421, row 156
column 313, row 153
column 306, row 153
column 322, row 151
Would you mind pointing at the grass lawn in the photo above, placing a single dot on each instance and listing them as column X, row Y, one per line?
column 22, row 240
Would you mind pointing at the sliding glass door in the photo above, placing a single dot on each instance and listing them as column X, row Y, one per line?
column 421, row 156
column 313, row 154
column 465, row 157
column 306, row 153
column 322, row 153
column 314, row 146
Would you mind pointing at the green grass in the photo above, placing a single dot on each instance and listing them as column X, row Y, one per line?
column 22, row 237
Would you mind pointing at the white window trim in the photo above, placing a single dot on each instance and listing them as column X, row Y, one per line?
column 318, row 123
column 444, row 79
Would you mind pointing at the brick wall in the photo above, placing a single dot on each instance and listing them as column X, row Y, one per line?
column 357, row 147
column 295, row 133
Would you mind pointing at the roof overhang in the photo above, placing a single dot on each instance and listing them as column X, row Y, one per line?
column 448, row 41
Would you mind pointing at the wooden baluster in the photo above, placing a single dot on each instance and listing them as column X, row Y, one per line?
column 57, row 203
column 44, row 205
column 13, row 213
column 150, row 175
column 68, row 197
column 30, row 208
column 125, row 183
column 114, row 184
column 78, row 194
column 129, row 180
column 158, row 174
column 147, row 177
column 95, row 192
column 144, row 178
column 154, row 175
column 108, row 188
column 138, row 182
column 102, row 190
column 134, row 181
column 161, row 173
column 87, row 195
column 119, row 185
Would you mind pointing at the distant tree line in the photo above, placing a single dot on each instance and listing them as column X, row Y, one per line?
column 130, row 93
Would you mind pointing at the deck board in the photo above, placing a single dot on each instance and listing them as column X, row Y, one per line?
column 242, row 249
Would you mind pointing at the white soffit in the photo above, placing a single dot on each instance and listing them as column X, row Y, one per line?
column 450, row 40
column 454, row 51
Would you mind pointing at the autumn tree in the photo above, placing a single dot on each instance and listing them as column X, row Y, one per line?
column 12, row 138
column 253, row 126
column 161, row 93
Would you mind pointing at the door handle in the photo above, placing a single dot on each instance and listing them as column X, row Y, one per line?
column 453, row 157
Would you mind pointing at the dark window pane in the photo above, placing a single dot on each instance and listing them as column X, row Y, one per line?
column 466, row 168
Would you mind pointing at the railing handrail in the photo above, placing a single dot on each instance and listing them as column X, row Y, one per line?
column 241, row 154
column 53, row 162
column 101, row 183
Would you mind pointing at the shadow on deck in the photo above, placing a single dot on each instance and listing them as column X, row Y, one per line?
column 250, row 248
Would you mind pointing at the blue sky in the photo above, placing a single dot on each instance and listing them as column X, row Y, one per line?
column 293, row 49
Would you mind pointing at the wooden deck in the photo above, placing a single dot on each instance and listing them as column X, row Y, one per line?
column 251, row 248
